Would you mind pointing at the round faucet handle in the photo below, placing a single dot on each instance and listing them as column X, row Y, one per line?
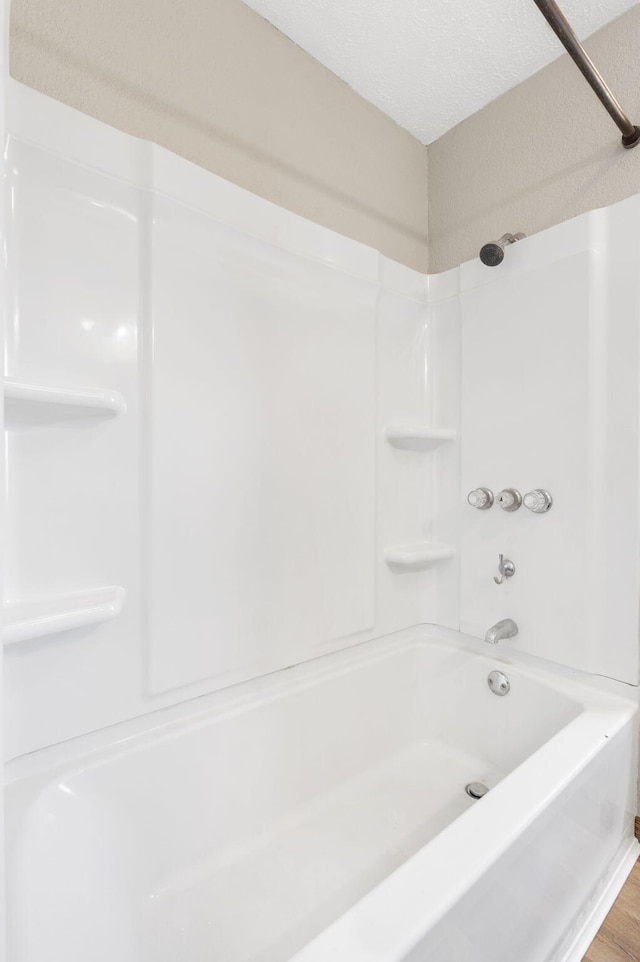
column 509, row 499
column 481, row 498
column 539, row 501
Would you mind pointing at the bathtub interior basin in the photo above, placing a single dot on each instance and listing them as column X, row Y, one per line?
column 239, row 826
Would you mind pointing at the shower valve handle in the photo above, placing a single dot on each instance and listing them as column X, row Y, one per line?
column 539, row 501
column 481, row 498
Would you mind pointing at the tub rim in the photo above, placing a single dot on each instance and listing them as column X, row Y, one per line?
column 93, row 749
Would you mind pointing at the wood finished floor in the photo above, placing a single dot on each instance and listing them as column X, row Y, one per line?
column 619, row 938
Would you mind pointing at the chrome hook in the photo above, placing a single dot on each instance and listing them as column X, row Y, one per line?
column 506, row 569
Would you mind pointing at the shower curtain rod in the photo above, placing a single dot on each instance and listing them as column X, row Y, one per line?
column 563, row 30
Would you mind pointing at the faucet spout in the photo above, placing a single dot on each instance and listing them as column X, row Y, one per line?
column 501, row 631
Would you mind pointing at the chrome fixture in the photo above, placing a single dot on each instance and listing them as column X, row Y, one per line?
column 563, row 31
column 509, row 499
column 506, row 570
column 492, row 254
column 481, row 498
column 501, row 631
column 539, row 501
column 476, row 789
column 498, row 683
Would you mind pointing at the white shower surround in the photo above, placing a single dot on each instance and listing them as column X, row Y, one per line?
column 93, row 520
column 132, row 402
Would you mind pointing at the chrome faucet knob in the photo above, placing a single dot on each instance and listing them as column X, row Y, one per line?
column 539, row 501
column 509, row 499
column 481, row 498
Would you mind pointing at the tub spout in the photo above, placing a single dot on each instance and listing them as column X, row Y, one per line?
column 501, row 631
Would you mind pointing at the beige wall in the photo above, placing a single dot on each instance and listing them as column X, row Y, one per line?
column 539, row 155
column 213, row 81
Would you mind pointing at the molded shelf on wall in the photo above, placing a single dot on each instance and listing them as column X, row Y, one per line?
column 419, row 555
column 416, row 436
column 27, row 403
column 26, row 620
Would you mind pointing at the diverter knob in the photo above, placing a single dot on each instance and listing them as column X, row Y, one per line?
column 509, row 499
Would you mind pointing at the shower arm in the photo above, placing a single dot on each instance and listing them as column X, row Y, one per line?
column 563, row 30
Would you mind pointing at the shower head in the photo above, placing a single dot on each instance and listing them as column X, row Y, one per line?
column 492, row 253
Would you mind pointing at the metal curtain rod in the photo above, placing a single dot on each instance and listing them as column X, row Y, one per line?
column 562, row 28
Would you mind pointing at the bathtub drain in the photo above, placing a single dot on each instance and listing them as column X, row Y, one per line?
column 476, row 789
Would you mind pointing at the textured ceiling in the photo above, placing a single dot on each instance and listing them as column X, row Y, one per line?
column 428, row 64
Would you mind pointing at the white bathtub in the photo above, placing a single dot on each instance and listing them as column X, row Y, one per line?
column 320, row 814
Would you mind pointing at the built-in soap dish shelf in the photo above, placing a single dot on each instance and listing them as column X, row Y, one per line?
column 30, row 403
column 414, row 436
column 23, row 621
column 421, row 554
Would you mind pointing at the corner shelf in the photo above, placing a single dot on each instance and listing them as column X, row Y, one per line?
column 49, row 616
column 417, row 437
column 29, row 403
column 418, row 555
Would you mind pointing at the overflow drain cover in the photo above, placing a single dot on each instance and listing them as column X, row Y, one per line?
column 499, row 683
column 476, row 789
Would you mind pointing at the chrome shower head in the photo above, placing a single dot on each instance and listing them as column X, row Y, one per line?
column 492, row 254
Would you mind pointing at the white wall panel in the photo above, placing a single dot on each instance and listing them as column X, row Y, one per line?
column 73, row 267
column 72, row 494
column 262, row 470
column 442, row 359
column 525, row 396
column 550, row 400
column 213, row 494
